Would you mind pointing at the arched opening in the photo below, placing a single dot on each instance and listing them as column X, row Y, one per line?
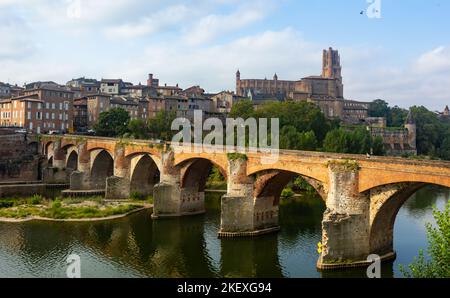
column 102, row 168
column 48, row 148
column 144, row 177
column 72, row 161
column 293, row 191
column 385, row 212
column 196, row 174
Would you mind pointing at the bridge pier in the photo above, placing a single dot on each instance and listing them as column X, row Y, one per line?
column 170, row 199
column 57, row 173
column 345, row 225
column 81, row 179
column 239, row 215
column 118, row 186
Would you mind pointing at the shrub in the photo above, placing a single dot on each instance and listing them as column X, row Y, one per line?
column 135, row 195
column 287, row 193
column 35, row 200
column 6, row 204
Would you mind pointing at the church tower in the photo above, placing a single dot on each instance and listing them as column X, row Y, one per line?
column 331, row 69
column 238, row 83
column 331, row 64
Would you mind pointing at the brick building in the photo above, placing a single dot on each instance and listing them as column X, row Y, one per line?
column 39, row 110
column 326, row 90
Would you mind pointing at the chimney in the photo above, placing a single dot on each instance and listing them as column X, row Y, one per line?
column 150, row 80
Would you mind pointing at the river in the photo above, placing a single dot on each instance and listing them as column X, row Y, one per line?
column 188, row 247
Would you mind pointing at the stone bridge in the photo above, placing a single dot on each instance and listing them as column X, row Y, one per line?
column 362, row 195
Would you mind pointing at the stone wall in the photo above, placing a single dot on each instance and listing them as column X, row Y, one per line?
column 19, row 158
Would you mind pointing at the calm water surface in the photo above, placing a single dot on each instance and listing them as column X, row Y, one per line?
column 188, row 247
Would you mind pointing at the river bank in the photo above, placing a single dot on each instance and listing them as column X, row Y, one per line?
column 69, row 210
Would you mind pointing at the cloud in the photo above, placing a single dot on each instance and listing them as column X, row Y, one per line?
column 16, row 35
column 167, row 17
column 213, row 25
column 423, row 81
column 214, row 67
column 203, row 43
column 434, row 61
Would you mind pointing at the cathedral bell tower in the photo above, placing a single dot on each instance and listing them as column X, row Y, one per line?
column 332, row 69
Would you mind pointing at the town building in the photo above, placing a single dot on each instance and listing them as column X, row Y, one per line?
column 16, row 90
column 152, row 82
column 82, row 86
column 80, row 114
column 168, row 90
column 39, row 110
column 222, row 102
column 43, row 84
column 396, row 142
column 96, row 104
column 126, row 103
column 112, row 86
column 5, row 90
column 140, row 91
column 87, row 109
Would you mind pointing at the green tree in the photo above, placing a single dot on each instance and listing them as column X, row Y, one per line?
column 307, row 141
column 242, row 109
column 437, row 263
column 430, row 131
column 342, row 140
column 304, row 116
column 160, row 126
column 138, row 129
column 289, row 138
column 444, row 151
column 396, row 117
column 378, row 146
column 379, row 108
column 113, row 123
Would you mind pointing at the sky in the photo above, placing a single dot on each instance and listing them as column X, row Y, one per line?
column 397, row 50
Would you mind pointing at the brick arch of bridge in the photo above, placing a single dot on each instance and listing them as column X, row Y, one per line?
column 145, row 172
column 102, row 167
column 195, row 172
column 131, row 152
column 385, row 203
column 269, row 184
column 314, row 173
column 94, row 146
column 372, row 178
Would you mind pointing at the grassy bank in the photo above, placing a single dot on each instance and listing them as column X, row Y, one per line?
column 78, row 208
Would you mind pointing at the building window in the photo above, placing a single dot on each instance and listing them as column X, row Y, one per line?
column 53, row 106
column 53, row 116
column 47, row 105
column 29, row 115
column 46, row 116
column 29, row 105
